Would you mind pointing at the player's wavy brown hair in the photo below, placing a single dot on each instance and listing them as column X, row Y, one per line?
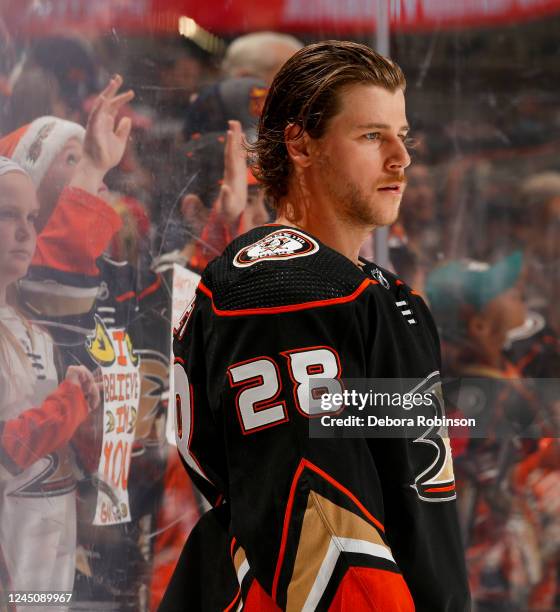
column 305, row 93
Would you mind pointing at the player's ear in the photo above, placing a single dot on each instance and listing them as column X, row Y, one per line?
column 297, row 143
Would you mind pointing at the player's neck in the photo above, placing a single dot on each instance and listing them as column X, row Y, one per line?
column 339, row 236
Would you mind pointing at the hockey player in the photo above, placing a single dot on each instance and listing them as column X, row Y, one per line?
column 285, row 314
column 37, row 418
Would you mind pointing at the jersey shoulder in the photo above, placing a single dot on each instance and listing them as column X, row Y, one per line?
column 395, row 287
column 394, row 295
column 275, row 266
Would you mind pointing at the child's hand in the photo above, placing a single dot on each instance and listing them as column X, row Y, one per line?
column 82, row 377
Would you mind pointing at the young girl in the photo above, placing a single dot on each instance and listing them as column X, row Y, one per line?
column 38, row 417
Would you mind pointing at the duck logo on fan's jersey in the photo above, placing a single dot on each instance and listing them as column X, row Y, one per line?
column 99, row 345
column 106, row 345
column 53, row 475
column 282, row 244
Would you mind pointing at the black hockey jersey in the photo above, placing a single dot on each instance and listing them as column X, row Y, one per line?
column 337, row 524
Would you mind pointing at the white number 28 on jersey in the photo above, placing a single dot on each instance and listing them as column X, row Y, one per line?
column 312, row 370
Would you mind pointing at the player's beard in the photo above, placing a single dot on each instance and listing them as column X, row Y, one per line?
column 354, row 205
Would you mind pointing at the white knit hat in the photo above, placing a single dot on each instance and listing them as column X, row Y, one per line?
column 35, row 145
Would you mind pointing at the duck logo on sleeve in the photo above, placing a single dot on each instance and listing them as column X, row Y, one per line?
column 281, row 244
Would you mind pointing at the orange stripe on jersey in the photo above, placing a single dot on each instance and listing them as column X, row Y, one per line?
column 287, row 517
column 304, row 463
column 204, row 289
column 528, row 358
column 150, row 289
column 125, row 296
column 290, row 307
column 258, row 600
column 234, row 603
column 346, row 492
column 329, row 531
column 366, row 588
column 438, row 489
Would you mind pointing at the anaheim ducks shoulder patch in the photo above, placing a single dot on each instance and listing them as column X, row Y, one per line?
column 281, row 244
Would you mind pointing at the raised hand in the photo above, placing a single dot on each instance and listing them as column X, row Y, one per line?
column 105, row 140
column 233, row 194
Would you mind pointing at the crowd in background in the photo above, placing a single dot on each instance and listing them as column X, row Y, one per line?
column 128, row 177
